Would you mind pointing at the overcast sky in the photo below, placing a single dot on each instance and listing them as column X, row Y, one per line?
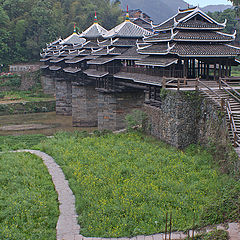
column 203, row 3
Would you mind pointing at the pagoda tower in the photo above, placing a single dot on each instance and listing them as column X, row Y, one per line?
column 190, row 45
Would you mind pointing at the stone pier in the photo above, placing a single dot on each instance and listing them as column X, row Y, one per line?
column 84, row 106
column 48, row 84
column 63, row 97
column 113, row 108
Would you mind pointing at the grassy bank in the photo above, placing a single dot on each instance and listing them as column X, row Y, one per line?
column 28, row 201
column 124, row 184
column 20, row 142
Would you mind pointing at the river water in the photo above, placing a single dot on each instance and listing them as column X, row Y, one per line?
column 37, row 123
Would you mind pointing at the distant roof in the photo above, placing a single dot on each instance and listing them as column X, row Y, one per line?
column 94, row 31
column 127, row 29
column 183, row 19
column 73, row 39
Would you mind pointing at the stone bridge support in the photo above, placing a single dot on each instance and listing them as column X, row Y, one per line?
column 84, row 106
column 48, row 84
column 63, row 97
column 113, row 108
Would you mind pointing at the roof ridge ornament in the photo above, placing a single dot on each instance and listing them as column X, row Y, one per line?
column 95, row 18
column 127, row 16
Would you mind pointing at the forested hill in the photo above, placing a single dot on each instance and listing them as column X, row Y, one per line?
column 26, row 25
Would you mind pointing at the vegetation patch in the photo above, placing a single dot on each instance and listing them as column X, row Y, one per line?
column 20, row 142
column 10, row 81
column 124, row 184
column 28, row 201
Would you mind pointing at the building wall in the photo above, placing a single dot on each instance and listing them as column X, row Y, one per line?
column 63, row 97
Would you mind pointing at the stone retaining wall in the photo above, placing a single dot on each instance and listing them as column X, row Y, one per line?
column 185, row 118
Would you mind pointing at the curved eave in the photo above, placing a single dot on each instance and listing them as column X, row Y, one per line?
column 208, row 56
column 196, row 28
column 151, row 53
column 202, row 40
column 158, row 40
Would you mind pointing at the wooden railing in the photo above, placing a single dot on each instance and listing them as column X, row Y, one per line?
column 225, row 106
column 221, row 86
column 153, row 71
column 236, row 136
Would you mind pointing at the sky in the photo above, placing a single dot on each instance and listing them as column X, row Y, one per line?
column 203, row 3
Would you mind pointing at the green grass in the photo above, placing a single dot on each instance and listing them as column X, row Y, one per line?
column 214, row 235
column 124, row 184
column 28, row 201
column 20, row 142
column 31, row 96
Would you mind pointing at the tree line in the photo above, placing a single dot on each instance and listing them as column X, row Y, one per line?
column 27, row 25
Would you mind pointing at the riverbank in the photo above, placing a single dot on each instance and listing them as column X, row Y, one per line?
column 47, row 123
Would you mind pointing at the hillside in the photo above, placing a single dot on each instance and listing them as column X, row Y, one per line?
column 27, row 25
column 158, row 10
column 216, row 8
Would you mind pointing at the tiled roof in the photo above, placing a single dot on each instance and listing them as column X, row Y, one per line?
column 101, row 51
column 44, row 66
column 130, row 54
column 85, row 52
column 118, row 50
column 140, row 78
column 100, row 60
column 159, row 37
column 54, row 68
column 170, row 22
column 105, row 43
column 198, row 24
column 94, row 31
column 124, row 42
column 143, row 23
column 160, row 48
column 75, row 60
column 157, row 61
column 211, row 50
column 73, row 39
column 91, row 44
column 57, row 60
column 203, row 36
column 127, row 29
column 95, row 73
column 45, row 59
column 184, row 19
column 71, row 70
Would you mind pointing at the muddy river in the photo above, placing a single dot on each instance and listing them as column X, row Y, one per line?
column 35, row 123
